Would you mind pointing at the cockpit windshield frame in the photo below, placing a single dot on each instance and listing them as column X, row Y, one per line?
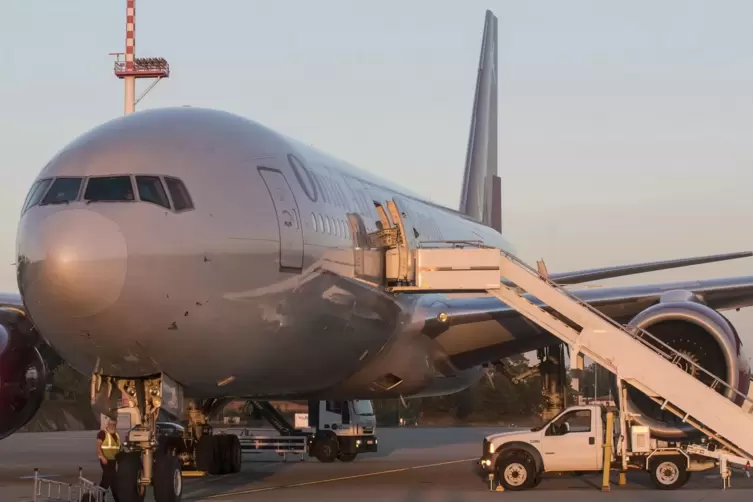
column 40, row 188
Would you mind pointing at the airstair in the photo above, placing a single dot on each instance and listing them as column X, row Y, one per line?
column 635, row 356
column 274, row 417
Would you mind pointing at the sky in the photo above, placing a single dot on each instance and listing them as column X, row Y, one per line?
column 624, row 127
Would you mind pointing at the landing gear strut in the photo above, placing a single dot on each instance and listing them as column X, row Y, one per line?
column 553, row 379
column 552, row 370
column 214, row 453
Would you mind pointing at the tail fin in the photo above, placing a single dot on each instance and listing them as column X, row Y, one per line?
column 482, row 188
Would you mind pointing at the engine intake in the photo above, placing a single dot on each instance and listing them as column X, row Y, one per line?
column 704, row 336
column 23, row 374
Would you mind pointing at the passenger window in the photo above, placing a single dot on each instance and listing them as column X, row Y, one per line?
column 320, row 226
column 326, row 225
column 109, row 189
column 313, row 222
column 179, row 193
column 151, row 190
column 62, row 190
column 36, row 193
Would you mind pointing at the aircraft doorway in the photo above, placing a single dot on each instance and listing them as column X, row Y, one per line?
column 288, row 220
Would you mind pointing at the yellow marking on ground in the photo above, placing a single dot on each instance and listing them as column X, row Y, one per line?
column 341, row 478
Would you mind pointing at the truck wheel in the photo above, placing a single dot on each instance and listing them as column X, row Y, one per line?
column 347, row 457
column 516, row 471
column 326, row 449
column 669, row 473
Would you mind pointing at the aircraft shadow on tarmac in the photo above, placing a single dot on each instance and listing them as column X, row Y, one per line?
column 256, row 469
column 394, row 439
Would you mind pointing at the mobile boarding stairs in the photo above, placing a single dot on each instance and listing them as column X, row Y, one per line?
column 636, row 357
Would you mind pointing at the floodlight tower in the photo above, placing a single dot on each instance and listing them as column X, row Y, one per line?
column 131, row 67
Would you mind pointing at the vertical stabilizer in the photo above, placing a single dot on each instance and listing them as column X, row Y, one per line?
column 482, row 195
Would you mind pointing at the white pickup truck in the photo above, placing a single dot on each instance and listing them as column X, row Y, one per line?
column 574, row 441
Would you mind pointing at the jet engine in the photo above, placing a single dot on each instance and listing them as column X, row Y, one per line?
column 707, row 338
column 23, row 372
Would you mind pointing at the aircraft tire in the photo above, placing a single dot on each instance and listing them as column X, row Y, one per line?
column 230, row 453
column 208, row 458
column 168, row 479
column 128, row 474
column 236, row 454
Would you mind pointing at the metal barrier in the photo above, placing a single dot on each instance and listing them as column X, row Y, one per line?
column 282, row 445
column 83, row 491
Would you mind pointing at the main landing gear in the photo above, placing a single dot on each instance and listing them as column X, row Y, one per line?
column 148, row 457
column 213, row 453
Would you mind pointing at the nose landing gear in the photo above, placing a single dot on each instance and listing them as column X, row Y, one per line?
column 144, row 458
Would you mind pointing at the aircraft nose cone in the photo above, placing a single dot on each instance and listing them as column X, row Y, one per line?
column 72, row 263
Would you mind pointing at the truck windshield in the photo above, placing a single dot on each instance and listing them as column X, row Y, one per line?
column 362, row 407
column 539, row 427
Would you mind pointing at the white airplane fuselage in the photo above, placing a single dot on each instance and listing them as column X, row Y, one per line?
column 253, row 284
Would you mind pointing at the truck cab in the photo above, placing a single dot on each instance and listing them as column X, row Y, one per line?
column 341, row 429
column 571, row 441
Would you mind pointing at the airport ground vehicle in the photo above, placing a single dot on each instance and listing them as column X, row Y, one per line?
column 334, row 430
column 576, row 440
column 718, row 412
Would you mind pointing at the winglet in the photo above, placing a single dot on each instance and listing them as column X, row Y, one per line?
column 481, row 197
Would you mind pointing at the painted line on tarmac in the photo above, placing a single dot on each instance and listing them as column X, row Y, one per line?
column 342, row 478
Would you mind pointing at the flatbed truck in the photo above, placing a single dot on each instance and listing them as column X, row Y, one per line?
column 589, row 439
column 335, row 430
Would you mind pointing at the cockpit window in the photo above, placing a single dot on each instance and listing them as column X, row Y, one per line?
column 151, row 190
column 62, row 190
column 109, row 189
column 36, row 193
column 179, row 194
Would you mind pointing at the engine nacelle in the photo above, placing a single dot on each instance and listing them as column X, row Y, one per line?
column 23, row 373
column 706, row 337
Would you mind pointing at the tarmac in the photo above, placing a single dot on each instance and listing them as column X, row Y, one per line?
column 413, row 465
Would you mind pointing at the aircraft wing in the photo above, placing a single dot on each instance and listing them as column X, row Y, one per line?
column 469, row 346
column 11, row 300
column 597, row 274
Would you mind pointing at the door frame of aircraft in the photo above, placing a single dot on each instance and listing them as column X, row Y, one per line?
column 291, row 235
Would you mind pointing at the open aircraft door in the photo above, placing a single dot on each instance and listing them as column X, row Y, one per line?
column 288, row 219
column 406, row 217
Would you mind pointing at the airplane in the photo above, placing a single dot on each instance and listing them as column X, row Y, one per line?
column 208, row 253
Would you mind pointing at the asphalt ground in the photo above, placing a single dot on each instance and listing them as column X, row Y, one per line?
column 413, row 465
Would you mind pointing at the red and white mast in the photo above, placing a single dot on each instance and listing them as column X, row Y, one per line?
column 132, row 68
